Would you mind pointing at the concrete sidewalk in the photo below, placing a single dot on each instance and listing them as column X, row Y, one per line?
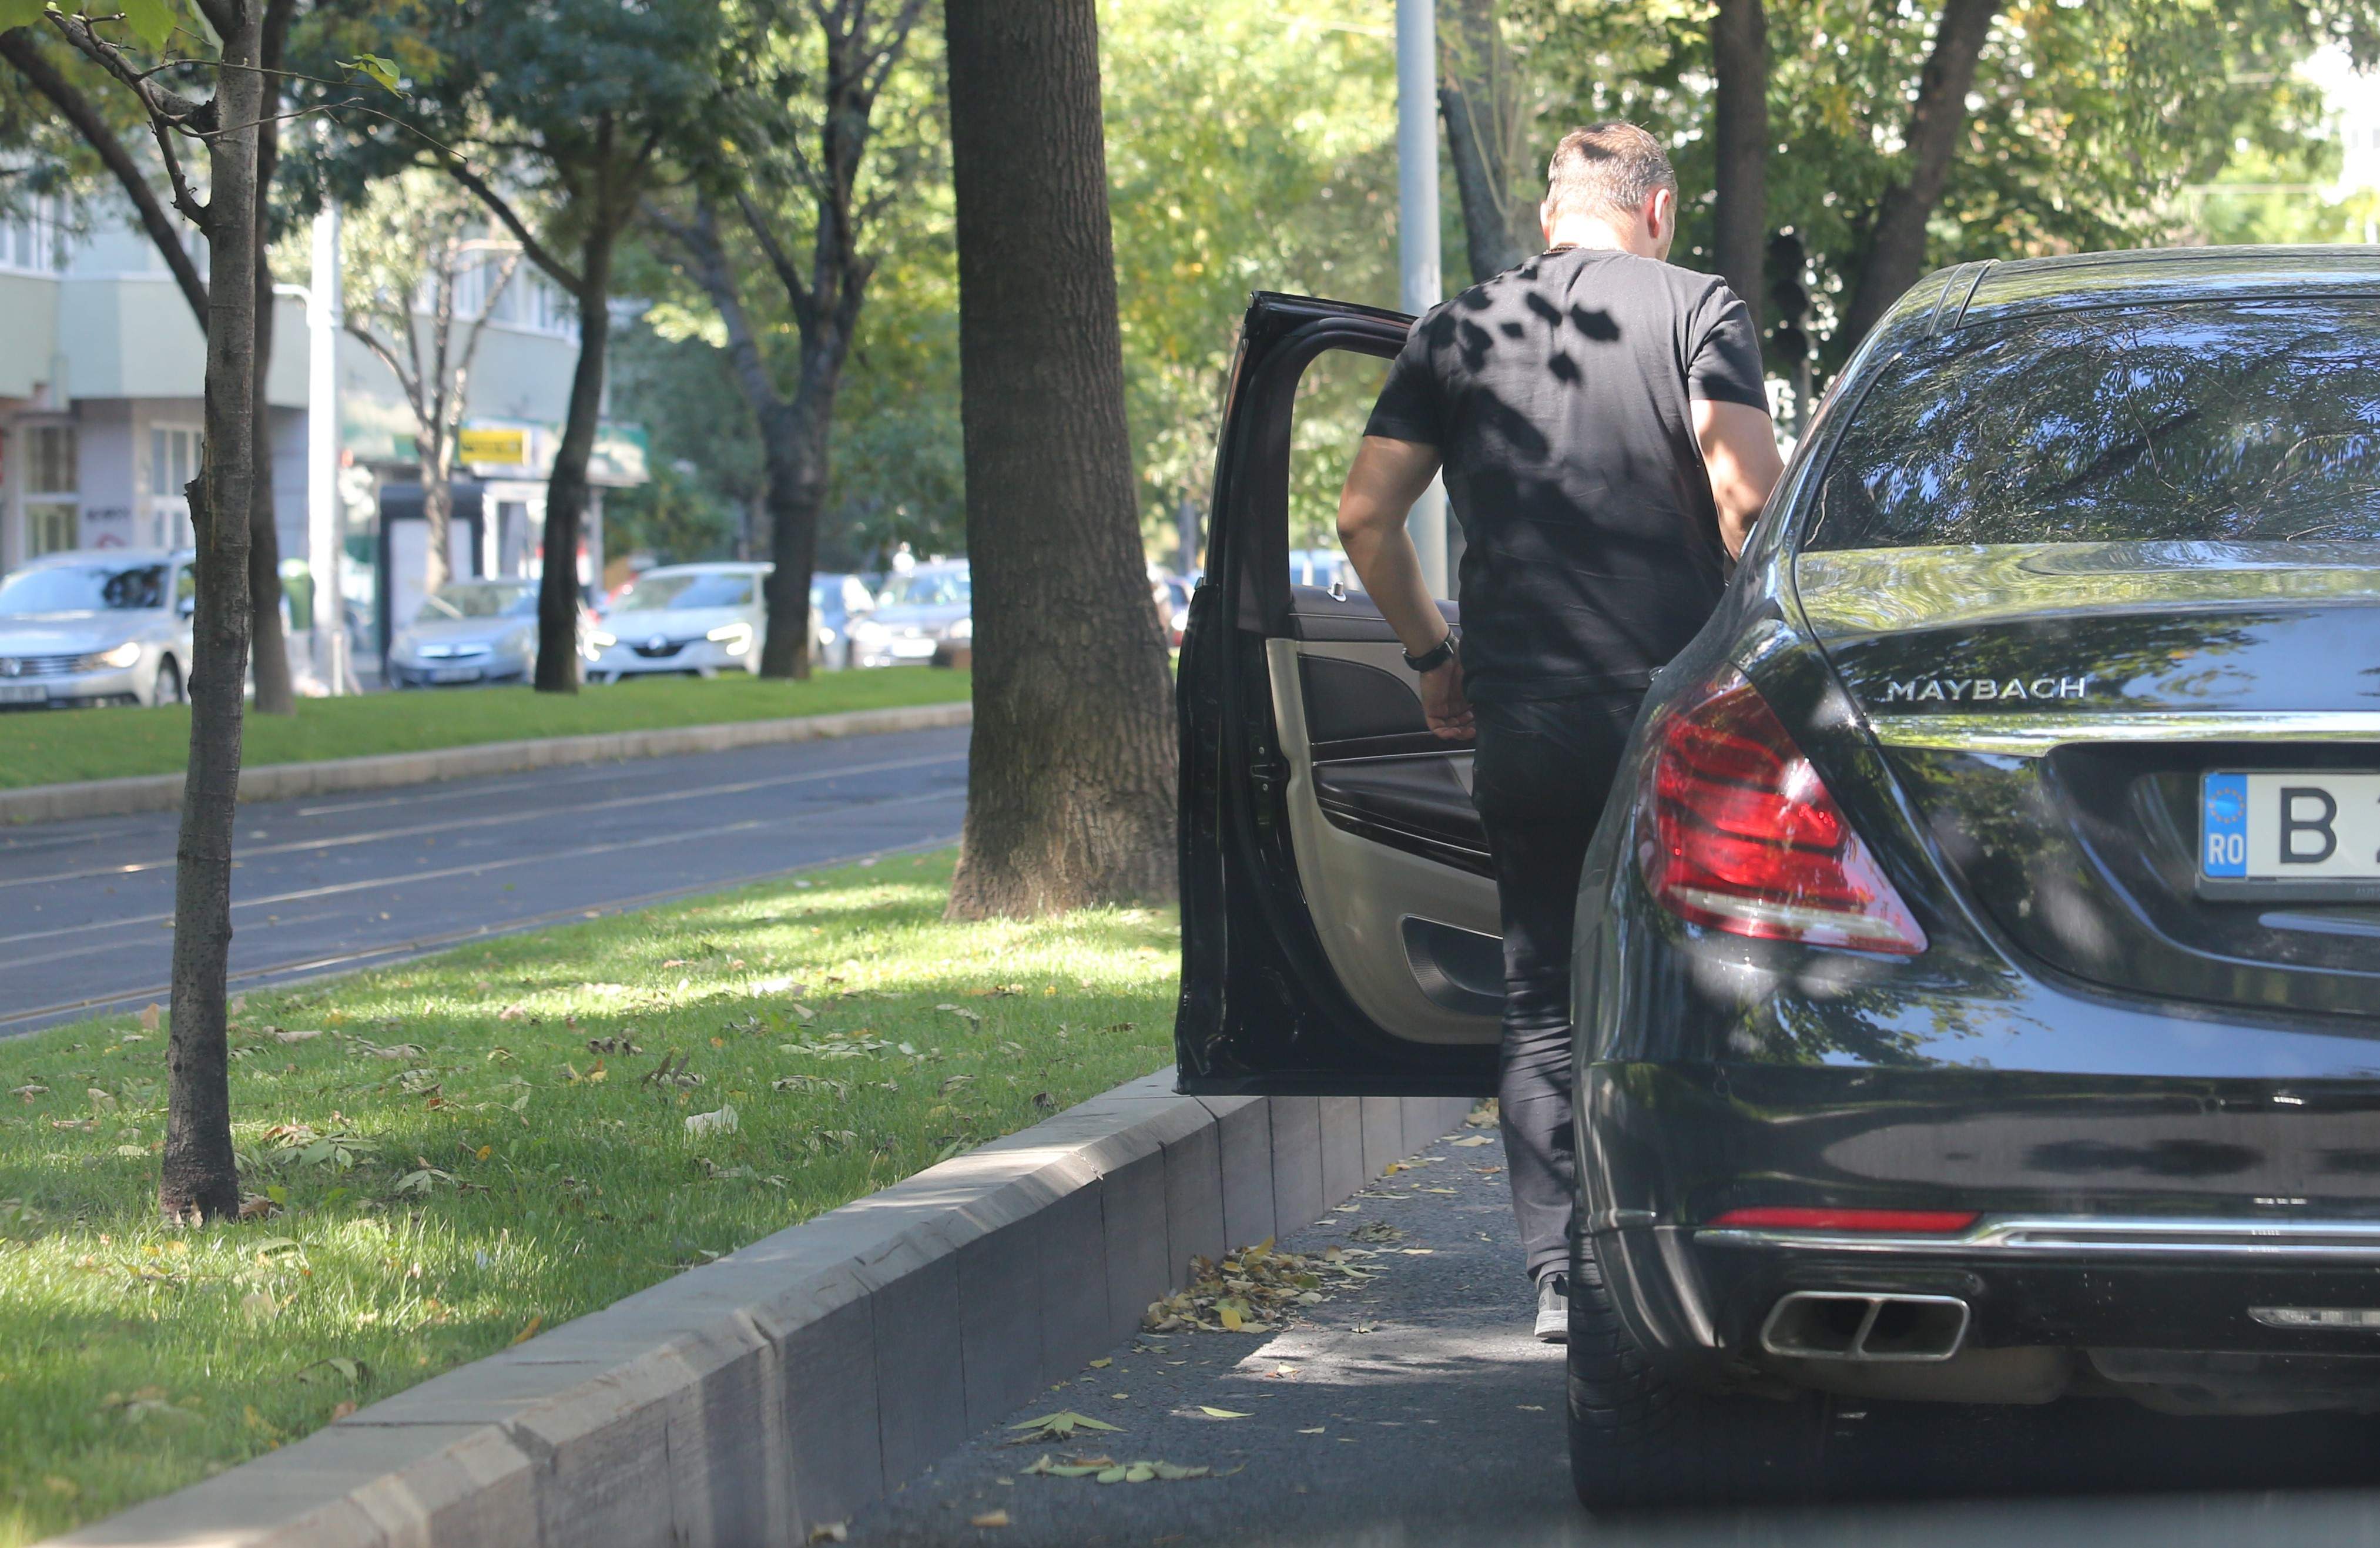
column 116, row 797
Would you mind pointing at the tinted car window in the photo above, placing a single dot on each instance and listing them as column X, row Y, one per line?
column 2209, row 420
column 84, row 589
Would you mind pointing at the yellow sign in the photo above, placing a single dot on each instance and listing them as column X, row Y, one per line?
column 508, row 447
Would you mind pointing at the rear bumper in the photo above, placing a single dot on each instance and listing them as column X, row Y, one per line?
column 1698, row 1299
column 2116, row 1213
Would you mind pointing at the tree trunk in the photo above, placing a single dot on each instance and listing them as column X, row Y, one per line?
column 438, row 521
column 1896, row 249
column 793, row 439
column 1071, row 786
column 565, row 491
column 274, row 695
column 1739, row 136
column 1480, row 99
column 200, row 1176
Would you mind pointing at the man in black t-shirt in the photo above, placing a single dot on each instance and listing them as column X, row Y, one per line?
column 1603, row 426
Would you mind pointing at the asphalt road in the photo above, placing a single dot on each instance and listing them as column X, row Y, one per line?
column 1419, row 1412
column 330, row 884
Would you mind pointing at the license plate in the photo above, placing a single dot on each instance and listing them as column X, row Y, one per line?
column 454, row 673
column 23, row 693
column 2304, row 825
column 913, row 647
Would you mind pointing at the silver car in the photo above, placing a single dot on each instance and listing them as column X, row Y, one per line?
column 927, row 615
column 696, row 620
column 468, row 631
column 96, row 627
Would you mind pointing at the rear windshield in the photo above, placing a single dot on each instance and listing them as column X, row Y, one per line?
column 2209, row 420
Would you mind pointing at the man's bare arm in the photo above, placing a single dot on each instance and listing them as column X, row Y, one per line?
column 1387, row 478
column 1740, row 453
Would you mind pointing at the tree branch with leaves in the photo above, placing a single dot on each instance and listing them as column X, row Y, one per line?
column 811, row 102
column 416, row 241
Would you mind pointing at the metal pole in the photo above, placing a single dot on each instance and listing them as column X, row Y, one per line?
column 1418, row 263
column 323, row 308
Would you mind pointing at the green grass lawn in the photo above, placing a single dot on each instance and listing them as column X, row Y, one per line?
column 464, row 1151
column 66, row 746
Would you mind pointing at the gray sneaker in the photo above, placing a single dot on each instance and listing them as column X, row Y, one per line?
column 1553, row 1308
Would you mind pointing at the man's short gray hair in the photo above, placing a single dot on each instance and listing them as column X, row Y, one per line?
column 1606, row 169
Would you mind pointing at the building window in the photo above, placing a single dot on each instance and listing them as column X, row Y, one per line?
column 173, row 463
column 173, row 460
column 53, row 502
column 32, row 238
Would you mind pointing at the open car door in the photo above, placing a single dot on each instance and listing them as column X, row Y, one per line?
column 1338, row 922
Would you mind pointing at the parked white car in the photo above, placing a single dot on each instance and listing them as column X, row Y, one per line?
column 96, row 627
column 693, row 620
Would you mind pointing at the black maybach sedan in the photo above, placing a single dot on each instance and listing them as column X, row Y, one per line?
column 1979, row 958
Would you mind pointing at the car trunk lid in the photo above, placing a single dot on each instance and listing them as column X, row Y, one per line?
column 2054, row 712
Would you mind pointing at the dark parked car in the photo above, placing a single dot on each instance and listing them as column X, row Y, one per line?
column 1979, row 960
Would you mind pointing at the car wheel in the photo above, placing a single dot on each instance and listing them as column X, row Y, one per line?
column 1639, row 1437
column 168, row 689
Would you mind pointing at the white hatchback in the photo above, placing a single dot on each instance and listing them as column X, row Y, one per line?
column 694, row 620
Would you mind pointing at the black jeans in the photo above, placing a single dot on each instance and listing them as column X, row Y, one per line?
column 1540, row 777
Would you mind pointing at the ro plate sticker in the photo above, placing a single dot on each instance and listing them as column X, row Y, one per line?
column 2224, row 823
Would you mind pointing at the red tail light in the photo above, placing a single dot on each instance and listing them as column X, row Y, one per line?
column 1908, row 1223
column 1745, row 838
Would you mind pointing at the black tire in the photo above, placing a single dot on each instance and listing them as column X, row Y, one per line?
column 1641, row 1438
column 169, row 688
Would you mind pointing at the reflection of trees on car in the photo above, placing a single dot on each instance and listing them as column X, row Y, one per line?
column 2198, row 423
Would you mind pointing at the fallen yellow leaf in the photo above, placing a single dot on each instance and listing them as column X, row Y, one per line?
column 1220, row 1413
column 989, row 1518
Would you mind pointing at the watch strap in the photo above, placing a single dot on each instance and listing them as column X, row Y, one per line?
column 1435, row 657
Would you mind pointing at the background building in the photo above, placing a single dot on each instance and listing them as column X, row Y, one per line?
column 102, row 382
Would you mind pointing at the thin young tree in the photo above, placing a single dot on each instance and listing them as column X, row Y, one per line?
column 813, row 102
column 584, row 107
column 81, row 96
column 417, row 243
column 1071, row 781
column 200, row 1178
column 1481, row 95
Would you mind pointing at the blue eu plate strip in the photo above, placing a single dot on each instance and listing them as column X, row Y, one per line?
column 2223, row 843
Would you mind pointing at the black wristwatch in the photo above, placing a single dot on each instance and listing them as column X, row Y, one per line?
column 1435, row 657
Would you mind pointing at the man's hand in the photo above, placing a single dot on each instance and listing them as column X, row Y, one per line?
column 1443, row 701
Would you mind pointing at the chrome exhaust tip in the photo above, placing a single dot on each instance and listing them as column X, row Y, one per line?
column 1865, row 1325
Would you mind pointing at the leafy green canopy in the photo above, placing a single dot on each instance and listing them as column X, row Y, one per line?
column 2093, row 122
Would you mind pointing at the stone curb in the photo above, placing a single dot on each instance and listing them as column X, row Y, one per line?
column 272, row 781
column 787, row 1386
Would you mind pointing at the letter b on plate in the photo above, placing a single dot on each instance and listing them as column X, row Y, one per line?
column 2307, row 836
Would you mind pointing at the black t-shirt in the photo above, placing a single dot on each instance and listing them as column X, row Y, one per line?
column 1558, row 394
